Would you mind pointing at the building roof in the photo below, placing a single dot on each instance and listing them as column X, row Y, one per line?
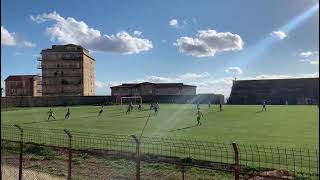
column 21, row 77
column 65, row 47
column 288, row 79
column 68, row 48
column 132, row 85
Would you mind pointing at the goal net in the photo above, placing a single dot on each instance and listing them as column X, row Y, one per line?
column 131, row 99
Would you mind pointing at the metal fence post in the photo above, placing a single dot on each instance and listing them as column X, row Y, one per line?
column 137, row 158
column 183, row 172
column 236, row 161
column 21, row 151
column 69, row 152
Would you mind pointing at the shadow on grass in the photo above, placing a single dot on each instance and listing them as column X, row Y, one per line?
column 89, row 116
column 188, row 127
column 260, row 111
column 141, row 117
column 46, row 121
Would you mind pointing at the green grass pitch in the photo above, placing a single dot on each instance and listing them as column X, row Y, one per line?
column 285, row 126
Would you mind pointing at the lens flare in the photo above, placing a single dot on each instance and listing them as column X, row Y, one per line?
column 252, row 53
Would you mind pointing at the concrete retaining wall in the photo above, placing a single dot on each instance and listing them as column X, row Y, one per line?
column 32, row 101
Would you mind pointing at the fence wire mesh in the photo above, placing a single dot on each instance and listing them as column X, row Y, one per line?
column 46, row 153
column 10, row 160
column 44, row 162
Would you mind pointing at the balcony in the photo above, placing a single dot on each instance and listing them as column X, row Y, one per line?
column 62, row 83
column 39, row 58
column 61, row 76
column 40, row 66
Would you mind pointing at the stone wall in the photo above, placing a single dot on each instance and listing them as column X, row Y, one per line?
column 42, row 101
column 30, row 101
column 275, row 91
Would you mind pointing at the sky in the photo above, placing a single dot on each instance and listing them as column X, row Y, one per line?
column 204, row 43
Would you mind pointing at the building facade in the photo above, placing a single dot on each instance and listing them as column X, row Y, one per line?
column 23, row 85
column 67, row 70
column 147, row 89
column 275, row 91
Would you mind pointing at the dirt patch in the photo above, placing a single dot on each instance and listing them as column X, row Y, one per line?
column 275, row 174
column 9, row 172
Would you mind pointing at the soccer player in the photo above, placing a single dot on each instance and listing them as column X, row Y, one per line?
column 264, row 106
column 101, row 111
column 198, row 106
column 139, row 107
column 209, row 104
column 50, row 114
column 199, row 115
column 156, row 108
column 220, row 107
column 67, row 114
column 131, row 106
column 129, row 109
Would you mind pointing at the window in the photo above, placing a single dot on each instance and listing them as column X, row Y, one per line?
column 64, row 82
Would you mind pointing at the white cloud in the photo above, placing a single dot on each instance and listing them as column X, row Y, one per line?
column 312, row 57
column 174, row 23
column 10, row 39
column 283, row 76
column 308, row 53
column 69, row 30
column 209, row 42
column 234, row 70
column 157, row 79
column 28, row 44
column 279, row 34
column 187, row 78
column 36, row 55
column 185, row 22
column 217, row 86
column 313, row 62
column 17, row 54
column 193, row 76
column 137, row 33
column 7, row 37
column 104, row 85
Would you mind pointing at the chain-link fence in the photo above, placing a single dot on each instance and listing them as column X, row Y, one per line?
column 30, row 153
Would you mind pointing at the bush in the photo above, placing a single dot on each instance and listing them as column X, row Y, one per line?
column 304, row 176
column 39, row 150
column 251, row 169
column 187, row 160
column 10, row 146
